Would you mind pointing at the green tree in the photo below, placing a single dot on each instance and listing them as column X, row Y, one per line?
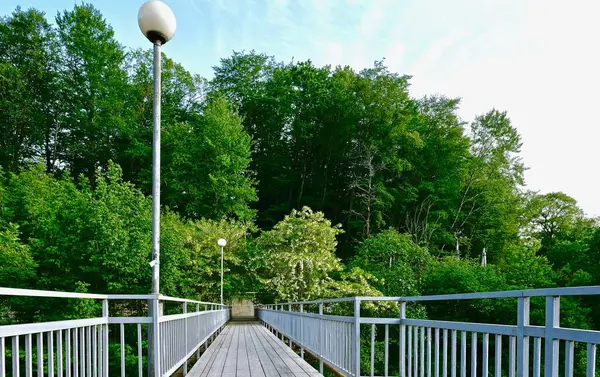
column 208, row 175
column 28, row 86
column 298, row 255
column 17, row 267
column 396, row 261
column 93, row 89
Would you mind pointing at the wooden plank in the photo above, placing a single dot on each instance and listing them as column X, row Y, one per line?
column 306, row 367
column 249, row 350
column 256, row 368
column 207, row 357
column 265, row 361
column 229, row 369
column 218, row 361
column 243, row 366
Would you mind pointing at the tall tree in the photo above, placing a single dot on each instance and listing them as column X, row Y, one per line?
column 93, row 89
column 28, row 87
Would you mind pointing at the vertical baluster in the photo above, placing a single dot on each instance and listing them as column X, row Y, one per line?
column 416, row 351
column 485, row 355
column 59, row 353
column 88, row 338
column 28, row 357
column 372, row 350
column 473, row 354
column 68, row 353
column 122, row 338
column 2, row 361
column 50, row 354
column 386, row 355
column 402, row 366
column 437, row 353
column 15, row 355
column 445, row 354
column 498, row 357
column 591, row 360
column 94, row 330
column 511, row 356
column 569, row 353
column 139, row 339
column 82, row 351
column 453, row 355
column 429, row 361
column 422, row 351
column 75, row 353
column 537, row 356
column 40, row 354
column 100, row 350
column 409, row 330
column 463, row 354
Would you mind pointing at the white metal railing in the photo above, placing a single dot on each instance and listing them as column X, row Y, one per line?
column 435, row 348
column 80, row 347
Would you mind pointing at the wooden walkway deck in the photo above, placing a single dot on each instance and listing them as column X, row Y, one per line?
column 250, row 350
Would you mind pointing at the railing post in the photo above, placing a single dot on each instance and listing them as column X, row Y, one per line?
column 154, row 338
column 522, row 340
column 402, row 309
column 551, row 347
column 198, row 330
column 321, row 338
column 290, row 327
column 302, row 331
column 356, row 343
column 105, row 314
column 185, row 338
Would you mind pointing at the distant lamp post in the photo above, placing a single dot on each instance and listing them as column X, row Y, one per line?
column 222, row 242
column 157, row 22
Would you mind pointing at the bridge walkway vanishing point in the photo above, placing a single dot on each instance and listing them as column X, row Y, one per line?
column 248, row 349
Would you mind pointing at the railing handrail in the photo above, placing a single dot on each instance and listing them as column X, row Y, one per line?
column 5, row 291
column 540, row 292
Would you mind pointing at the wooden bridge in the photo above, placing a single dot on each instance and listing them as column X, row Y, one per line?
column 248, row 349
column 199, row 339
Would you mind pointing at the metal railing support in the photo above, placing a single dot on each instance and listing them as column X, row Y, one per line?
column 302, row 331
column 522, row 340
column 402, row 310
column 154, row 368
column 356, row 342
column 185, row 338
column 551, row 347
column 321, row 340
column 104, row 338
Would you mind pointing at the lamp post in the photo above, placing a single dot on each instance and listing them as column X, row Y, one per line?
column 157, row 22
column 222, row 242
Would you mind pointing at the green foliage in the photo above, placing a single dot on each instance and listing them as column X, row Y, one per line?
column 17, row 267
column 297, row 255
column 208, row 174
column 407, row 179
column 395, row 260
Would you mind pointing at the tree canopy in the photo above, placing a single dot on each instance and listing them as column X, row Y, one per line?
column 326, row 181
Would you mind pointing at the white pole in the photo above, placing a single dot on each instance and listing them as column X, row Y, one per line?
column 156, row 173
column 221, row 275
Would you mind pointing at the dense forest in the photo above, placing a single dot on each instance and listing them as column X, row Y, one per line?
column 326, row 181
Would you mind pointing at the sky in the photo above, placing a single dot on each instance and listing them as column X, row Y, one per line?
column 537, row 59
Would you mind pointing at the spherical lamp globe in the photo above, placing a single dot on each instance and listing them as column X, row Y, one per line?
column 157, row 21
